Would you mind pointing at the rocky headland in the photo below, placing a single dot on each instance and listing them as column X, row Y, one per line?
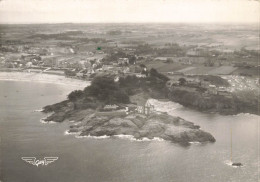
column 158, row 125
column 86, row 110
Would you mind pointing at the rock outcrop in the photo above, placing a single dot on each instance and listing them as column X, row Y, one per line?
column 157, row 125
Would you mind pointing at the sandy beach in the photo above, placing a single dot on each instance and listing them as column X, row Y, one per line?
column 45, row 78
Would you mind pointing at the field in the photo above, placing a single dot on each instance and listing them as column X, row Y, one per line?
column 164, row 67
column 75, row 42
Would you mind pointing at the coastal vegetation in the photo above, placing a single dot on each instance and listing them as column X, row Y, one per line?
column 106, row 90
column 86, row 108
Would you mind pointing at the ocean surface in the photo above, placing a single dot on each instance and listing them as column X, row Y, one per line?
column 113, row 159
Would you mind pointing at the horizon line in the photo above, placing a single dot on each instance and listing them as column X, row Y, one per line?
column 42, row 23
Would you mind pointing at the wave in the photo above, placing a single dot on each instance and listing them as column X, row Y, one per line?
column 195, row 143
column 93, row 137
column 128, row 137
column 67, row 132
column 38, row 110
column 47, row 122
column 246, row 114
column 132, row 138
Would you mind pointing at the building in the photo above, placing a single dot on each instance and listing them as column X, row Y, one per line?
column 212, row 89
column 126, row 70
column 175, row 73
column 123, row 61
column 116, row 79
column 139, row 75
column 29, row 64
column 110, row 107
column 172, row 82
column 79, row 74
column 51, row 61
column 146, row 109
column 106, row 67
column 193, row 53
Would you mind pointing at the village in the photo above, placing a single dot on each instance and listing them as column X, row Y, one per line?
column 85, row 55
column 87, row 51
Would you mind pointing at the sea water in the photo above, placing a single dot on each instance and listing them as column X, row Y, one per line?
column 117, row 159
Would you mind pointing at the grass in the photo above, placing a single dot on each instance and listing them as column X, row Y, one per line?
column 165, row 67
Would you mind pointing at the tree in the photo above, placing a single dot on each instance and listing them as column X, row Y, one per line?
column 155, row 73
column 182, row 81
column 106, row 90
column 75, row 95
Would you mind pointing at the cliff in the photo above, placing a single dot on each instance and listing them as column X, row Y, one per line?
column 231, row 103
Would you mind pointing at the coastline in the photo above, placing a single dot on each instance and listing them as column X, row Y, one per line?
column 43, row 78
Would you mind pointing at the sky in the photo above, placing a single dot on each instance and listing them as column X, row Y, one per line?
column 133, row 11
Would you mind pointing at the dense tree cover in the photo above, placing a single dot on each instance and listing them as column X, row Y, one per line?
column 182, row 81
column 155, row 73
column 132, row 84
column 105, row 89
column 74, row 95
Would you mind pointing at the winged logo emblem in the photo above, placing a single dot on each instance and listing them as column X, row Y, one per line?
column 35, row 162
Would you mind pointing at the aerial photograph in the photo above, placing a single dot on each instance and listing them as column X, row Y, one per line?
column 129, row 91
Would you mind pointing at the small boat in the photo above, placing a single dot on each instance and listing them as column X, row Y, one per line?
column 235, row 164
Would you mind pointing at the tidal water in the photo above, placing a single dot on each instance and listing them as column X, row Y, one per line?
column 117, row 160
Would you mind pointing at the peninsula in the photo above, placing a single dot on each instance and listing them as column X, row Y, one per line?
column 113, row 106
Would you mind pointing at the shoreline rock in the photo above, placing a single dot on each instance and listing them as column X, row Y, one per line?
column 213, row 103
column 157, row 125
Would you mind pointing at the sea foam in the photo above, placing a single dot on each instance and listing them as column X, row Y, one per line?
column 38, row 110
column 67, row 132
column 195, row 143
column 128, row 137
column 47, row 122
column 93, row 137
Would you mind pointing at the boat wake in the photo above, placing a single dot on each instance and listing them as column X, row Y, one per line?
column 229, row 163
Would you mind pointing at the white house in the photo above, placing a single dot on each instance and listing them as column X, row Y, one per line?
column 123, row 61
column 146, row 109
column 29, row 64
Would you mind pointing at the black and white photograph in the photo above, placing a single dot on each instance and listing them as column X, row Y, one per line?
column 129, row 91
